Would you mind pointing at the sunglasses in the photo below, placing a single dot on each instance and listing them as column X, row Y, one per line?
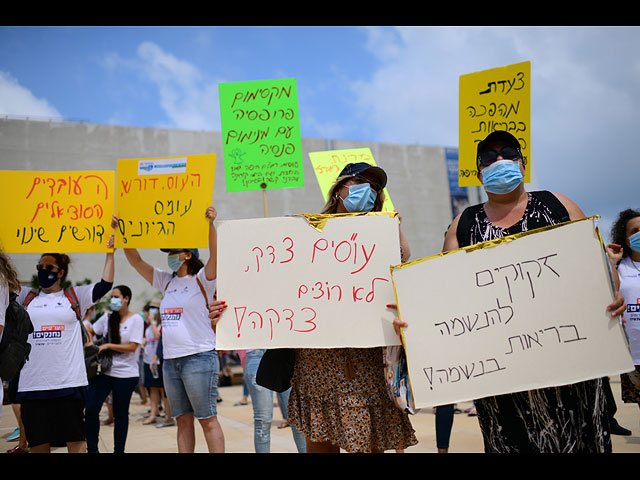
column 487, row 157
column 49, row 267
column 360, row 179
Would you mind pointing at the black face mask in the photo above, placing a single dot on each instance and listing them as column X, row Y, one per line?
column 47, row 278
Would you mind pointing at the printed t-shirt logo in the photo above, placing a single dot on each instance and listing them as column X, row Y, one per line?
column 171, row 314
column 49, row 331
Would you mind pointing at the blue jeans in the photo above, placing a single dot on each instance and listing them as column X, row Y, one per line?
column 99, row 388
column 262, row 401
column 191, row 384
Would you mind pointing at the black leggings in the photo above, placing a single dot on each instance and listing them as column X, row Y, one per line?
column 444, row 424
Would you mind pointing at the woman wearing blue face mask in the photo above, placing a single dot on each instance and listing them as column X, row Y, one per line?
column 339, row 396
column 52, row 387
column 624, row 255
column 123, row 330
column 536, row 421
column 190, row 362
column 152, row 367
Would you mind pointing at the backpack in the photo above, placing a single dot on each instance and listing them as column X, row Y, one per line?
column 14, row 346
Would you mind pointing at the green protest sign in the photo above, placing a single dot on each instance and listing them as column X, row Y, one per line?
column 261, row 135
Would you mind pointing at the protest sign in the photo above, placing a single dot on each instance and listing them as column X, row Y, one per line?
column 328, row 165
column 315, row 281
column 261, row 135
column 490, row 100
column 161, row 202
column 516, row 314
column 57, row 211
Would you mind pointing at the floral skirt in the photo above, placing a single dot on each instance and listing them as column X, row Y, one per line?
column 630, row 384
column 340, row 396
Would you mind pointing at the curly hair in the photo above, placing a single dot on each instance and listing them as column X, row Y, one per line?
column 619, row 229
column 8, row 273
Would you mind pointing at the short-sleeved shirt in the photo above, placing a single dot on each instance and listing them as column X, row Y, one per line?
column 186, row 327
column 150, row 344
column 56, row 359
column 630, row 289
column 125, row 364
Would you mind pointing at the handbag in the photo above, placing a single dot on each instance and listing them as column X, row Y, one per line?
column 396, row 376
column 276, row 369
column 96, row 363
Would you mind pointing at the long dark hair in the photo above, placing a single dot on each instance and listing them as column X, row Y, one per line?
column 194, row 265
column 619, row 229
column 114, row 317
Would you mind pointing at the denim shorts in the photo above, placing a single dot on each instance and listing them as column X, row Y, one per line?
column 191, row 384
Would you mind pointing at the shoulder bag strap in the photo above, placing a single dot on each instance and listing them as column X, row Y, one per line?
column 206, row 300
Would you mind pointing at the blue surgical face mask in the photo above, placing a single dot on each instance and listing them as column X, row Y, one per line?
column 361, row 198
column 634, row 242
column 174, row 262
column 115, row 304
column 502, row 176
column 153, row 311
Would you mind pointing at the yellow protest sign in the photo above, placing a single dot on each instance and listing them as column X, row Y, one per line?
column 328, row 165
column 490, row 100
column 56, row 211
column 161, row 202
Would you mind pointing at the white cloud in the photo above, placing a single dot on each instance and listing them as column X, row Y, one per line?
column 18, row 100
column 584, row 98
column 189, row 100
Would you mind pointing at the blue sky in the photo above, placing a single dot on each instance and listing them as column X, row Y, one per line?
column 378, row 84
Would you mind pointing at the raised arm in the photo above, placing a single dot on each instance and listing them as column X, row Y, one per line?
column 134, row 258
column 211, row 268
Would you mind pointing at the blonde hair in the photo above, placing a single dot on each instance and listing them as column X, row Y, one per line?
column 8, row 273
column 332, row 202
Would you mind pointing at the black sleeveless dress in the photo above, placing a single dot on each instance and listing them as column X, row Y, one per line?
column 571, row 418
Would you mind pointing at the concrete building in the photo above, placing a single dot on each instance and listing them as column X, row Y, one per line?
column 419, row 182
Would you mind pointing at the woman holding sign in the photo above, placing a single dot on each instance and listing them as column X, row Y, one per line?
column 191, row 366
column 339, row 396
column 52, row 389
column 624, row 254
column 570, row 418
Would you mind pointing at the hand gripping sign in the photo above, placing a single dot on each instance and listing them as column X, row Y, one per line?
column 160, row 202
column 514, row 314
column 316, row 281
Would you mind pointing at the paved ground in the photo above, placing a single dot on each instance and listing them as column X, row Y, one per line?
column 237, row 424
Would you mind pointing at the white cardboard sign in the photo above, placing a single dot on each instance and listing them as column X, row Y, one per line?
column 514, row 315
column 290, row 284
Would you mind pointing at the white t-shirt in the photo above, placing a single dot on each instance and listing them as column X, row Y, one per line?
column 630, row 290
column 125, row 364
column 186, row 327
column 150, row 345
column 56, row 359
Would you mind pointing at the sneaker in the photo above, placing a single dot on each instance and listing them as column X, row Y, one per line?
column 14, row 436
column 168, row 423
